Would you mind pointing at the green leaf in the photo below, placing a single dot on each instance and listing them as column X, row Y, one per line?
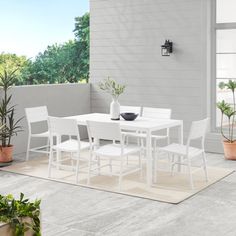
column 112, row 87
column 223, row 106
column 13, row 211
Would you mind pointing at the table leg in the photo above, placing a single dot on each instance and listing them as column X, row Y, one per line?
column 149, row 158
column 181, row 140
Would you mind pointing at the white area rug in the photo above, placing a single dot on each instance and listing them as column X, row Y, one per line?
column 171, row 189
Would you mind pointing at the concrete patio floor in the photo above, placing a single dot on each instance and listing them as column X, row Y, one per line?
column 75, row 211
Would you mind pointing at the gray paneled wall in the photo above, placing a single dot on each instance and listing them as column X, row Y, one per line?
column 61, row 100
column 126, row 36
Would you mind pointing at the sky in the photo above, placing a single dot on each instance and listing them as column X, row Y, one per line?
column 27, row 27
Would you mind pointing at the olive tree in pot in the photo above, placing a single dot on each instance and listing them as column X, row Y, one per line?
column 228, row 110
column 9, row 126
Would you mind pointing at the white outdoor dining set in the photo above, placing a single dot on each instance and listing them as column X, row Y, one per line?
column 117, row 140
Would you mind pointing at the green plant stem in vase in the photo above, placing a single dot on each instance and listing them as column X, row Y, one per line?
column 115, row 90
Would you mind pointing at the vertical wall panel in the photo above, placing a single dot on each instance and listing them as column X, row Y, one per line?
column 126, row 36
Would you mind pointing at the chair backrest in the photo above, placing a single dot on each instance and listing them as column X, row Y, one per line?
column 134, row 109
column 36, row 114
column 62, row 126
column 198, row 130
column 104, row 130
column 158, row 113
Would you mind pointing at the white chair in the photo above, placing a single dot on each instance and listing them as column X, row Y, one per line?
column 134, row 109
column 158, row 113
column 35, row 115
column 118, row 151
column 155, row 113
column 186, row 153
column 59, row 127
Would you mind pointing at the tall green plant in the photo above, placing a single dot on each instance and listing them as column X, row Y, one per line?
column 7, row 110
column 228, row 111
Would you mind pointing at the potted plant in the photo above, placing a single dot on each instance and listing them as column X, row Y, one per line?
column 228, row 110
column 19, row 217
column 115, row 90
column 10, row 126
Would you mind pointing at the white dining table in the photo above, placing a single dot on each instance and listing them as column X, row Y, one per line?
column 143, row 124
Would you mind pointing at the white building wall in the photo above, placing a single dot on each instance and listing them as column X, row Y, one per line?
column 126, row 36
column 61, row 100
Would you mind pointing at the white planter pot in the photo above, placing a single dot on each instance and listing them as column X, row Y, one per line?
column 115, row 110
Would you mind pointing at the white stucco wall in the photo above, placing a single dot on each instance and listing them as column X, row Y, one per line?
column 61, row 100
column 126, row 36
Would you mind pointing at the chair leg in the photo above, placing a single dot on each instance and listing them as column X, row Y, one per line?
column 28, row 148
column 154, row 148
column 179, row 161
column 127, row 140
column 58, row 154
column 140, row 164
column 138, row 142
column 155, row 160
column 71, row 160
column 172, row 157
column 48, row 145
column 121, row 173
column 50, row 162
column 89, row 168
column 99, row 165
column 205, row 166
column 142, row 146
column 77, row 168
column 168, row 154
column 190, row 174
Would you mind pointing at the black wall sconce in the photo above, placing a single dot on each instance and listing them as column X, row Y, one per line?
column 167, row 48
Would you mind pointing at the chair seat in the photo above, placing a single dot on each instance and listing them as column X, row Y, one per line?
column 143, row 135
column 71, row 146
column 44, row 134
column 180, row 149
column 114, row 150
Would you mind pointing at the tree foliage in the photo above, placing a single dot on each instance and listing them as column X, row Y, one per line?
column 12, row 62
column 59, row 63
column 82, row 34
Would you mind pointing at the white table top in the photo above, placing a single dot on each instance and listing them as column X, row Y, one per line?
column 141, row 123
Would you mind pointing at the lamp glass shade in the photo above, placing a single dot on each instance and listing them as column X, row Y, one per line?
column 166, row 49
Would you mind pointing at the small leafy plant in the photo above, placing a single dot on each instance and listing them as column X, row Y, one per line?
column 228, row 110
column 15, row 212
column 110, row 86
column 7, row 110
